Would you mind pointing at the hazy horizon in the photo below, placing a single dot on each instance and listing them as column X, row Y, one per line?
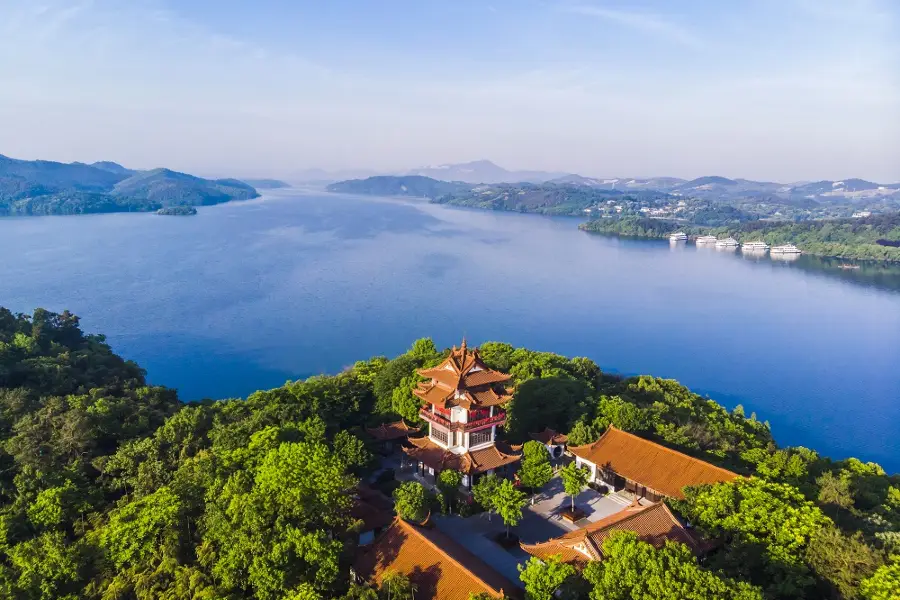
column 793, row 90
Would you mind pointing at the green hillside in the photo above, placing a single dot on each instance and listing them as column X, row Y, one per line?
column 50, row 188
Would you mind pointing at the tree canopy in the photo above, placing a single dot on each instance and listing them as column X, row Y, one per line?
column 111, row 488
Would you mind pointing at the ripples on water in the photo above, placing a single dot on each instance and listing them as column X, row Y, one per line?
column 247, row 295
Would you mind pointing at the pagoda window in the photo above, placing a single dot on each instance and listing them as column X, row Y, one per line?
column 480, row 437
column 439, row 434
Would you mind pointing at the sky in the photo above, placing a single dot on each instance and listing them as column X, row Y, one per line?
column 783, row 90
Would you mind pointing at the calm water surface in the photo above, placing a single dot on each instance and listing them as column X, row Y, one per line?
column 247, row 295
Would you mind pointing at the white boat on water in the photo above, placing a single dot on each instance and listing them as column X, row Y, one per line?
column 754, row 246
column 785, row 249
column 727, row 243
column 678, row 237
column 706, row 239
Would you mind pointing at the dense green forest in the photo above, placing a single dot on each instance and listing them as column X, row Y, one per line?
column 43, row 187
column 541, row 198
column 111, row 488
column 873, row 238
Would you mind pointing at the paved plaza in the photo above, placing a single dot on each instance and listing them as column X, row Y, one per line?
column 540, row 522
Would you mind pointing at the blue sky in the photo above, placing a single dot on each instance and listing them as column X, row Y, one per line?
column 767, row 89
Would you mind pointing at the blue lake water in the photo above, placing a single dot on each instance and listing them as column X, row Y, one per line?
column 246, row 295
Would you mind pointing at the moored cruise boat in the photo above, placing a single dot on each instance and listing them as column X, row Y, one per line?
column 754, row 246
column 678, row 237
column 727, row 243
column 785, row 249
column 706, row 239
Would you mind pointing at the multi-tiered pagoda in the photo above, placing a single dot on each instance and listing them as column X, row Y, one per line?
column 463, row 406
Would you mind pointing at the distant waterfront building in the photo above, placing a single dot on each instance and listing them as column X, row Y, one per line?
column 649, row 470
column 862, row 214
column 463, row 404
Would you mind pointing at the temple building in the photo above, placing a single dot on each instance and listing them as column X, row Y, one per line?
column 463, row 404
column 389, row 435
column 654, row 524
column 623, row 460
column 439, row 567
column 554, row 441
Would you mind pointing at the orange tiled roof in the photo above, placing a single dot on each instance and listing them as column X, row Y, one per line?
column 463, row 380
column 433, row 394
column 661, row 469
column 439, row 567
column 476, row 461
column 391, row 431
column 654, row 524
column 549, row 436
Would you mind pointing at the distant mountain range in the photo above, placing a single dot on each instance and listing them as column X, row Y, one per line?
column 482, row 171
column 712, row 187
column 41, row 187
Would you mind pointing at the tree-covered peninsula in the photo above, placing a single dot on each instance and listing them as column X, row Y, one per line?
column 111, row 488
column 874, row 237
column 40, row 187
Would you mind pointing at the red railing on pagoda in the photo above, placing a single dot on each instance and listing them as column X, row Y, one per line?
column 498, row 417
column 439, row 419
column 434, row 417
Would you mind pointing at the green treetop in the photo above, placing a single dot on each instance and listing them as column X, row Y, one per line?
column 410, row 501
column 484, row 491
column 508, row 502
column 632, row 569
column 535, row 470
column 448, row 482
column 543, row 578
column 574, row 480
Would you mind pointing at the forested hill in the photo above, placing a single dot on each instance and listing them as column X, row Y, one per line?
column 50, row 188
column 407, row 185
column 876, row 237
column 112, row 488
column 543, row 198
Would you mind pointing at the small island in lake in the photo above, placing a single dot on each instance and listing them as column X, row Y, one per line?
column 177, row 211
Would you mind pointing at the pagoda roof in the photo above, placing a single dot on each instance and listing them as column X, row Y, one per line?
column 463, row 379
column 477, row 461
column 440, row 568
column 391, row 431
column 485, row 397
column 654, row 524
column 657, row 467
column 549, row 436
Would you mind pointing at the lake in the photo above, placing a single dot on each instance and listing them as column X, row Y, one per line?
column 247, row 295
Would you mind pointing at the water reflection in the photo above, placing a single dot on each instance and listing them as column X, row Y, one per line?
column 883, row 276
column 756, row 255
column 784, row 257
